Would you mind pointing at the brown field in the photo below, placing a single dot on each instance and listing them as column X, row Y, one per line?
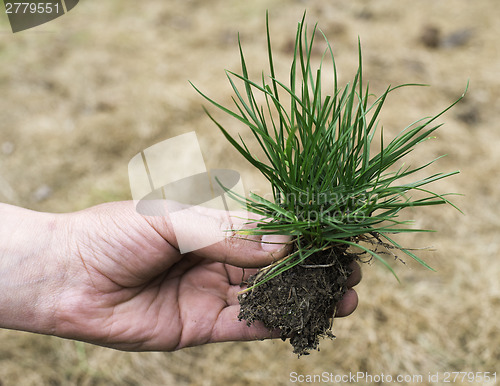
column 81, row 95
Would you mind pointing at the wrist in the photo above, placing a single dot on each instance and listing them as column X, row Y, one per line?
column 30, row 269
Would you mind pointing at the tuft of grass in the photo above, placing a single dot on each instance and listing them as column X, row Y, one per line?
column 329, row 189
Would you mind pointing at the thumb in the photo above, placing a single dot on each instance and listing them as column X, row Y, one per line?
column 248, row 251
column 214, row 234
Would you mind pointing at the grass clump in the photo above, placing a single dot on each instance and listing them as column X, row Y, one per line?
column 334, row 194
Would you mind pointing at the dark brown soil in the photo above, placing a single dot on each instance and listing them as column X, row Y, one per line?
column 302, row 300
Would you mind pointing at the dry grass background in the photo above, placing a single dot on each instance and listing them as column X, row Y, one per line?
column 83, row 94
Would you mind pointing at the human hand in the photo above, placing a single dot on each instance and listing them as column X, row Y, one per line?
column 125, row 285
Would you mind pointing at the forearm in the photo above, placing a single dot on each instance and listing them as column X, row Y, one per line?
column 30, row 273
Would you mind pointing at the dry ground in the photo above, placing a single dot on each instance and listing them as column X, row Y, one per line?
column 83, row 94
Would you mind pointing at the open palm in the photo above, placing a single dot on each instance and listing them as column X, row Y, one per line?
column 130, row 288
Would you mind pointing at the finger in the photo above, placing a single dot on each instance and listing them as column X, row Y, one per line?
column 355, row 276
column 347, row 304
column 220, row 236
column 247, row 251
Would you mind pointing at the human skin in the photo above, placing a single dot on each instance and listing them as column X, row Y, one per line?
column 113, row 277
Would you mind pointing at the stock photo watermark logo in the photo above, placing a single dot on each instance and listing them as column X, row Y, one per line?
column 24, row 15
column 170, row 179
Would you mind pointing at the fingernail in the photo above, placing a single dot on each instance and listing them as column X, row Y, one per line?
column 274, row 243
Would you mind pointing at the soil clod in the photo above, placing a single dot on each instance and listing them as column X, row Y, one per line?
column 301, row 301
